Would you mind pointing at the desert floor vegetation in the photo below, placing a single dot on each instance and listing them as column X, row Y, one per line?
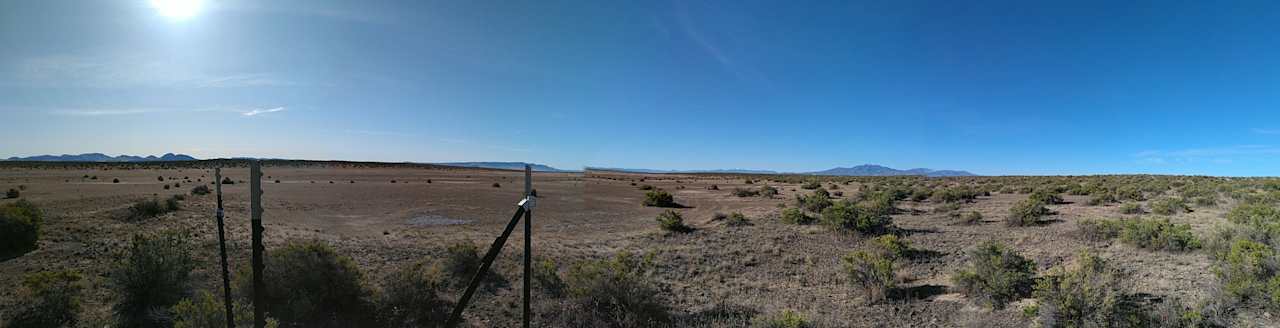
column 626, row 249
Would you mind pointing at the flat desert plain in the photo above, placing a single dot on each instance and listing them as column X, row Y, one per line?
column 714, row 275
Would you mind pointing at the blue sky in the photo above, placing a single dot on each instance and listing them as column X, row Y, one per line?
column 1018, row 87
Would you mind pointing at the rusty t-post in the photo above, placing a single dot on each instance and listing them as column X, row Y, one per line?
column 222, row 249
column 255, row 208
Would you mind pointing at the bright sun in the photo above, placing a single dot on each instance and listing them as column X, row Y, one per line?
column 177, row 9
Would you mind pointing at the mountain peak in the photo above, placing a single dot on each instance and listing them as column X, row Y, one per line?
column 100, row 157
column 880, row 170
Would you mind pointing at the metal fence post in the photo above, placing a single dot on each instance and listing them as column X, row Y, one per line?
column 222, row 249
column 528, row 241
column 255, row 208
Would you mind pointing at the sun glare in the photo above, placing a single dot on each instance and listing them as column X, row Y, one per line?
column 177, row 9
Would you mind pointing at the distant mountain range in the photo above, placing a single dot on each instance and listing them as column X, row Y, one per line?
column 860, row 170
column 505, row 166
column 877, row 170
column 99, row 157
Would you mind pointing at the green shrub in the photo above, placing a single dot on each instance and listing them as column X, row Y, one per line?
column 546, row 275
column 1025, row 213
column 971, row 218
column 1250, row 271
column 659, row 198
column 310, row 284
column 670, row 220
column 846, row 215
column 1102, row 199
column 647, row 187
column 811, row 184
column 203, row 310
column 1045, row 197
column 891, row 246
column 153, row 275
column 768, row 191
column 794, row 215
column 200, row 190
column 1159, row 234
column 1131, row 208
column 816, row 202
column 12, row 193
column 411, row 297
column 1169, row 206
column 1100, row 229
column 784, row 319
column 616, row 292
column 149, row 208
column 871, row 273
column 1088, row 295
column 736, row 219
column 20, row 224
column 743, row 192
column 462, row 261
column 954, row 195
column 947, row 208
column 995, row 275
column 1130, row 193
column 1264, row 216
column 48, row 299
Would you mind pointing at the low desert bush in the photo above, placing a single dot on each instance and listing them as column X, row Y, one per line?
column 12, row 193
column 647, row 187
column 1090, row 294
column 1249, row 271
column 1159, row 234
column 1045, row 197
column 743, row 192
column 995, row 275
column 815, row 202
column 971, row 218
column 1131, row 208
column 201, row 190
column 659, row 198
column 670, row 220
column 954, row 195
column 411, row 297
column 1026, row 213
column 784, row 319
column 736, row 219
column 811, row 185
column 947, row 208
column 150, row 208
column 1101, row 199
column 20, row 224
column 116, row 180
column 227, row 181
column 48, row 299
column 871, row 273
column 1266, row 217
column 616, row 292
column 794, row 215
column 1169, row 206
column 153, row 275
column 846, row 215
column 546, row 275
column 891, row 246
column 767, row 191
column 462, row 261
column 310, row 285
column 203, row 310
column 1099, row 229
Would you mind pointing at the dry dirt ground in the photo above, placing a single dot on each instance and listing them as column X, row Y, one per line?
column 765, row 267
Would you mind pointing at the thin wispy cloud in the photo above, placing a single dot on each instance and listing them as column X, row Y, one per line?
column 63, row 71
column 380, row 133
column 1217, row 155
column 257, row 112
column 105, row 112
column 1265, row 131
